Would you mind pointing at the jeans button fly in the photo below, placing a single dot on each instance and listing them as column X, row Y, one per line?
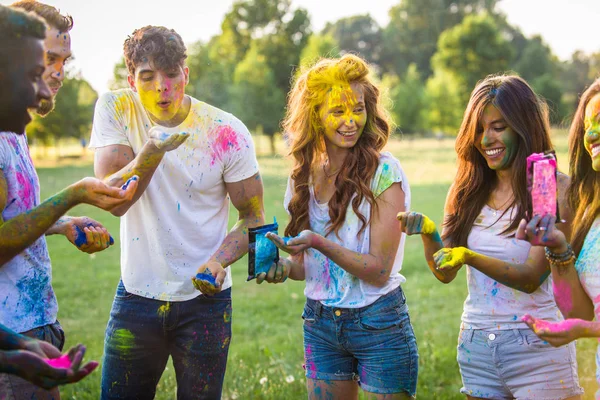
column 492, row 336
column 338, row 313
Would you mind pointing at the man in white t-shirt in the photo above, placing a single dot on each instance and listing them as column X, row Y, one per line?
column 176, row 226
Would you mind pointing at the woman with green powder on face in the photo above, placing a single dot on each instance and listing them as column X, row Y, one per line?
column 498, row 356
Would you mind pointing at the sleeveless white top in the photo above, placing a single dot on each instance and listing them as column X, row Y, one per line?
column 491, row 305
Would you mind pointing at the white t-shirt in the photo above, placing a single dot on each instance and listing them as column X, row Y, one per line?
column 491, row 305
column 588, row 268
column 27, row 300
column 325, row 280
column 181, row 218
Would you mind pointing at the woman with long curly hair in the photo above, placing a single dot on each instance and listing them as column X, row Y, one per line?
column 343, row 195
column 575, row 266
column 498, row 356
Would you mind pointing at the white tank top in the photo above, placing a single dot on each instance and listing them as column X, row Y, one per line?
column 491, row 305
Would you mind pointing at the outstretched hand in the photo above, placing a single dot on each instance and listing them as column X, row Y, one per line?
column 164, row 141
column 209, row 278
column 448, row 259
column 296, row 245
column 97, row 193
column 556, row 333
column 414, row 223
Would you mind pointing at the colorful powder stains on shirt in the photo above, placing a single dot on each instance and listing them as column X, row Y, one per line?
column 325, row 280
column 26, row 294
column 182, row 216
column 588, row 268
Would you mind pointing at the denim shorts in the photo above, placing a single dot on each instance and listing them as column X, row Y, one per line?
column 515, row 363
column 373, row 345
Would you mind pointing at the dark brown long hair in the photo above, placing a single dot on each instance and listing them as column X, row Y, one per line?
column 527, row 116
column 304, row 130
column 585, row 182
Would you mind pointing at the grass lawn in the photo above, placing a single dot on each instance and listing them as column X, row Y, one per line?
column 267, row 328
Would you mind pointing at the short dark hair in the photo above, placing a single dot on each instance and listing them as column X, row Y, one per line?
column 51, row 15
column 161, row 45
column 17, row 24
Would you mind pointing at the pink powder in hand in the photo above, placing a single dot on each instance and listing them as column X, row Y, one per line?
column 61, row 362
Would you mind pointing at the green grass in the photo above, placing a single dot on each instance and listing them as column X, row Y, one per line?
column 267, row 328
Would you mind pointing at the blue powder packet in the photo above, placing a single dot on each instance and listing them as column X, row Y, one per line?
column 207, row 277
column 81, row 239
column 262, row 253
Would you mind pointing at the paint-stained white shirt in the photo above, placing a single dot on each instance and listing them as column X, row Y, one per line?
column 490, row 304
column 325, row 280
column 27, row 300
column 588, row 268
column 181, row 218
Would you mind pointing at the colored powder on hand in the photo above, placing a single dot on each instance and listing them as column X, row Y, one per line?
column 126, row 185
column 206, row 277
column 81, row 238
column 286, row 239
column 428, row 226
column 61, row 362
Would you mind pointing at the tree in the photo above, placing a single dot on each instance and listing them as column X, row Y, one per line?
column 472, row 50
column 408, row 95
column 359, row 34
column 536, row 60
column 444, row 106
column 256, row 99
column 319, row 46
column 72, row 115
column 120, row 72
column 414, row 29
column 549, row 89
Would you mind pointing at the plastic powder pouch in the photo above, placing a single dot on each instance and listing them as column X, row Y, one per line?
column 541, row 183
column 262, row 253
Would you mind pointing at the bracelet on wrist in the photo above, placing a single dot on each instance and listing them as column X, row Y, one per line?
column 560, row 259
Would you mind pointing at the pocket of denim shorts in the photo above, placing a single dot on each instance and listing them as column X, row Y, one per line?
column 383, row 320
column 536, row 343
column 308, row 314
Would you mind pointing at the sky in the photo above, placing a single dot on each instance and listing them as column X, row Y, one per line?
column 102, row 26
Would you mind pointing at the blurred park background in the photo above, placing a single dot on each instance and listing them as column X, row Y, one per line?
column 427, row 58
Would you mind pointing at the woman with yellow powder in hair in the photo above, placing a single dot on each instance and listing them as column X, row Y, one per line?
column 343, row 195
column 498, row 356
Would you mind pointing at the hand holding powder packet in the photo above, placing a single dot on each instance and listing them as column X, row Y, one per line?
column 262, row 252
column 541, row 183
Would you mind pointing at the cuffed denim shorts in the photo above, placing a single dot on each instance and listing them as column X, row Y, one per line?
column 373, row 345
column 507, row 364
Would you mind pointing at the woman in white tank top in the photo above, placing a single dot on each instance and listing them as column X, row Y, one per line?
column 498, row 356
column 577, row 280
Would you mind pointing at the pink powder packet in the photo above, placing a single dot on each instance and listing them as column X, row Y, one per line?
column 60, row 362
column 541, row 183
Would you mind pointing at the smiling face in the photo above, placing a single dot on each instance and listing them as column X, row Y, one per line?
column 23, row 87
column 495, row 140
column 343, row 115
column 592, row 131
column 58, row 52
column 162, row 92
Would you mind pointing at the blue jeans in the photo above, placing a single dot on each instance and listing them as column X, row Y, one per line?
column 142, row 333
column 374, row 345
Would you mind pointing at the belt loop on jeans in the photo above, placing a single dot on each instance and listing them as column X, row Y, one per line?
column 470, row 335
column 519, row 335
column 318, row 308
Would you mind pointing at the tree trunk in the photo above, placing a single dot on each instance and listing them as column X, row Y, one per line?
column 272, row 141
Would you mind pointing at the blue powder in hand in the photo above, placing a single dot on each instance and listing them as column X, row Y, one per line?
column 126, row 185
column 81, row 239
column 207, row 277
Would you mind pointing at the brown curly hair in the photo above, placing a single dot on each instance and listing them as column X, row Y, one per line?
column 304, row 131
column 163, row 46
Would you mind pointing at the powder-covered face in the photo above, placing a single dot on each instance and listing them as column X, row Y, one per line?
column 343, row 114
column 162, row 92
column 496, row 141
column 592, row 131
column 58, row 52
